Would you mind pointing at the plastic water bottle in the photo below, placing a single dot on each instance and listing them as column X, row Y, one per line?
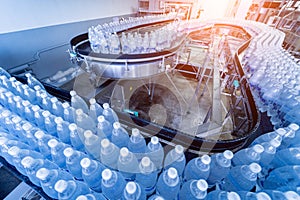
column 48, row 178
column 113, row 184
column 62, row 130
column 39, row 120
column 289, row 136
column 119, row 135
column 57, row 155
column 127, row 164
column 93, row 196
column 133, row 191
column 168, row 184
column 219, row 167
column 73, row 159
column 46, row 103
column 32, row 165
column 91, row 173
column 254, row 195
column 43, row 139
column 289, row 156
column 248, row 155
column 75, row 137
column 71, row 189
column 268, row 154
column 267, row 137
column 109, row 114
column 194, row 189
column 32, row 81
column 109, row 154
column 28, row 135
column 68, row 112
column 242, row 177
column 155, row 152
column 84, row 121
column 222, row 195
column 147, row 175
column 92, row 144
column 28, row 114
column 137, row 143
column 49, row 123
column 104, row 128
column 197, row 168
column 95, row 109
column 78, row 103
column 176, row 158
column 56, row 107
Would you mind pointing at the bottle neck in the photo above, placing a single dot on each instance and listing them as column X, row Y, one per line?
column 196, row 192
column 200, row 165
column 222, row 161
column 170, row 181
column 112, row 181
column 247, row 173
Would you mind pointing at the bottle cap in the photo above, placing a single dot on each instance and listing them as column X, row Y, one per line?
column 159, row 198
column 258, row 148
column 101, row 118
column 52, row 143
column 291, row 195
column 25, row 103
column 281, row 131
column 46, row 113
column 92, row 101
column 124, row 152
column 105, row 143
column 68, row 152
column 146, row 161
column 202, row 185
column 255, row 168
column 228, row 154
column 39, row 134
column 13, row 151
column 82, row 197
column 27, row 126
column 131, row 187
column 27, row 161
column 117, row 125
column 35, row 108
column 233, row 196
column 54, row 100
column 106, row 174
column 179, row 149
column 79, row 111
column 263, row 196
column 16, row 119
column 37, row 87
column 72, row 127
column 172, row 172
column 73, row 93
column 88, row 134
column 60, row 186
column 205, row 159
column 135, row 132
column 65, row 105
column 44, row 95
column 85, row 162
column 42, row 173
column 275, row 142
column 5, row 113
column 105, row 106
column 58, row 120
column 154, row 140
column 293, row 126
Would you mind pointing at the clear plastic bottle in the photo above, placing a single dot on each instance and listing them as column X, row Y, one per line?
column 268, row 155
column 267, row 137
column 242, row 177
column 168, row 184
column 57, row 155
column 95, row 109
column 289, row 156
column 248, row 155
column 49, row 123
column 219, row 167
column 104, row 128
column 39, row 120
column 109, row 154
column 134, row 191
column 46, row 103
column 113, row 184
column 254, row 195
column 71, row 189
column 155, row 152
column 176, row 158
column 77, row 102
column 193, row 190
column 137, row 143
column 84, row 121
column 275, row 194
column 92, row 144
column 109, row 114
column 119, row 135
column 48, row 178
column 127, row 164
column 68, row 112
column 289, row 136
column 62, row 130
column 32, row 81
column 75, row 137
column 92, row 173
column 28, row 135
column 56, row 106
column 73, row 159
column 197, row 168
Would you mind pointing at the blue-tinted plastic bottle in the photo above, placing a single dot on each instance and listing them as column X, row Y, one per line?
column 71, row 189
column 112, row 184
column 134, row 191
column 57, row 155
column 127, row 164
column 56, row 107
column 254, row 196
column 109, row 114
column 119, row 135
column 32, row 81
column 75, row 137
column 39, row 120
column 49, row 123
column 92, row 196
column 43, row 139
column 77, row 102
column 289, row 156
column 73, row 159
column 248, row 155
column 147, row 175
column 92, row 173
column 242, row 177
column 222, row 195
column 104, row 128
column 176, row 158
column 289, row 136
column 168, row 184
column 68, row 112
column 62, row 130
column 95, row 109
column 92, row 144
column 267, row 137
column 137, row 143
column 155, row 152
column 84, row 121
column 197, row 168
column 219, row 167
column 193, row 190
column 109, row 154
column 275, row 194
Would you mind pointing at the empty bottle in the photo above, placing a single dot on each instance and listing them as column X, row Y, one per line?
column 84, row 121
column 78, row 103
column 248, row 155
column 73, row 159
column 95, row 109
column 168, row 184
column 155, row 152
column 112, row 184
column 127, row 164
column 104, row 128
column 70, row 189
column 109, row 154
column 267, row 137
column 219, row 167
column 137, row 143
column 242, row 177
column 194, row 189
column 197, row 168
column 68, row 112
column 222, row 195
column 92, row 173
column 109, row 114
column 133, row 191
column 57, row 155
column 119, row 135
column 32, row 81
column 75, row 137
column 62, row 130
column 147, row 175
column 92, row 144
column 48, row 178
column 176, row 158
